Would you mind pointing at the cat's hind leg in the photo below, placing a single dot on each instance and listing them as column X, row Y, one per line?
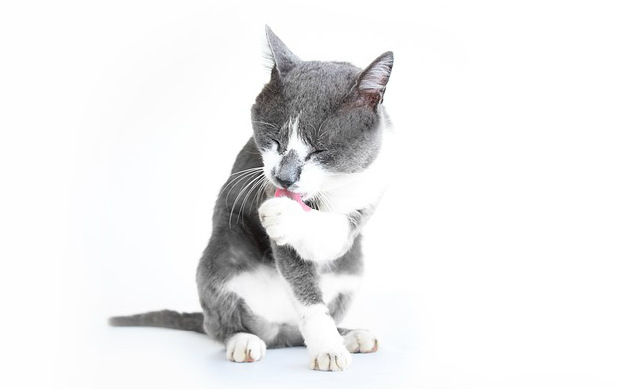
column 359, row 341
column 228, row 318
column 229, row 321
column 245, row 347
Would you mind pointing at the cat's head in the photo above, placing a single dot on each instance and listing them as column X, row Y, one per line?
column 315, row 120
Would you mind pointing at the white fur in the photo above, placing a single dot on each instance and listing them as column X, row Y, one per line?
column 343, row 192
column 316, row 236
column 268, row 294
column 332, row 285
column 377, row 76
column 272, row 157
column 347, row 193
column 324, row 236
column 295, row 142
column 361, row 341
column 327, row 351
column 311, row 179
column 245, row 347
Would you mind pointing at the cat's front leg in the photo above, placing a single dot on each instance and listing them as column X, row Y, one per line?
column 316, row 236
column 321, row 336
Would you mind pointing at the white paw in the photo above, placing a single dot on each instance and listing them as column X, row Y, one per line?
column 244, row 347
column 361, row 341
column 282, row 219
column 331, row 360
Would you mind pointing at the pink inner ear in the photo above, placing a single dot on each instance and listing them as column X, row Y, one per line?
column 371, row 97
column 292, row 196
column 374, row 81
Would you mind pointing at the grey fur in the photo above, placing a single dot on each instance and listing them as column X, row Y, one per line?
column 340, row 116
column 164, row 318
column 283, row 58
column 301, row 275
column 289, row 170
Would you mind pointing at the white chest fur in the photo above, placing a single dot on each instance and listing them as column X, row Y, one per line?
column 269, row 296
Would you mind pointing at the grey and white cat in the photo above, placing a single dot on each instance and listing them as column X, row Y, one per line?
column 281, row 270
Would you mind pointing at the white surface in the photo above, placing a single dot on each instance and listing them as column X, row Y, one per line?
column 504, row 255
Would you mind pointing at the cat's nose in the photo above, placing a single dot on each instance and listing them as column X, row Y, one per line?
column 289, row 170
column 287, row 176
column 285, row 183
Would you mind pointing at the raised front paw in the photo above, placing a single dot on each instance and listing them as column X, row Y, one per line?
column 282, row 218
column 337, row 359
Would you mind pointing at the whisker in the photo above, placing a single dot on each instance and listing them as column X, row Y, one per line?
column 259, row 194
column 246, row 186
column 237, row 180
column 262, row 190
column 247, row 170
column 314, row 131
column 318, row 133
column 239, row 176
column 226, row 186
column 321, row 203
column 265, row 123
column 327, row 201
column 247, row 195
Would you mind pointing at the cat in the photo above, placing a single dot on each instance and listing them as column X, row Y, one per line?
column 285, row 257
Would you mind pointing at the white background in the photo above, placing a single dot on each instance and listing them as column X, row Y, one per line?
column 504, row 254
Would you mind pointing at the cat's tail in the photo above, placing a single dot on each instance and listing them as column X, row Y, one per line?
column 164, row 319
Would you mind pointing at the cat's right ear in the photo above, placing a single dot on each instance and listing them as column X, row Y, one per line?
column 371, row 83
column 284, row 60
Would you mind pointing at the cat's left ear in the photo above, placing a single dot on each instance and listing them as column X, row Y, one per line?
column 283, row 58
column 372, row 80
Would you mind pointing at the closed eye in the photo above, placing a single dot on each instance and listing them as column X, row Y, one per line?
column 276, row 142
column 314, row 153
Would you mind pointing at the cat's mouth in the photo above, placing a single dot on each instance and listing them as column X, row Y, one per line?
column 293, row 196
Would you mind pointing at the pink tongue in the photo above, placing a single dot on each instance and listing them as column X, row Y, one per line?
column 292, row 196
